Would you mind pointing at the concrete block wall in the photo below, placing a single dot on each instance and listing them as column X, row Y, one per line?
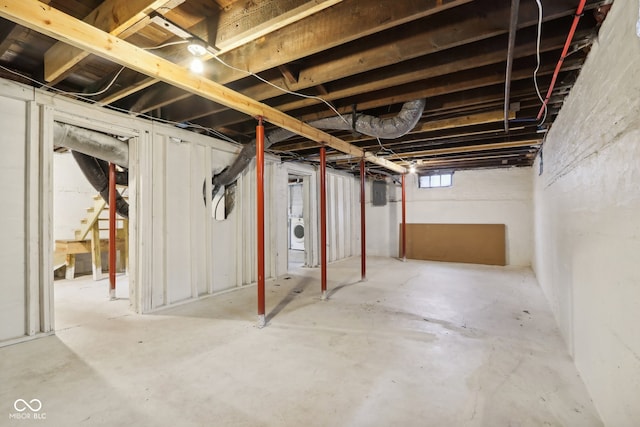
column 489, row 196
column 587, row 219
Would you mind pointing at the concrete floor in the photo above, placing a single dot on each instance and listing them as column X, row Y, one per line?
column 418, row 344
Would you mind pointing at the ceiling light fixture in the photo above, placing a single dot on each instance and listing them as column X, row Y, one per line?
column 197, row 47
column 412, row 168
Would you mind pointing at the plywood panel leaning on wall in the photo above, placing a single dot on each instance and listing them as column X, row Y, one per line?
column 469, row 243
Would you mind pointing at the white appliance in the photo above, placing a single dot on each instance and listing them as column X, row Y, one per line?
column 296, row 228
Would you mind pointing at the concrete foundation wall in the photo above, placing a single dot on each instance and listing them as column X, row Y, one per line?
column 492, row 196
column 587, row 219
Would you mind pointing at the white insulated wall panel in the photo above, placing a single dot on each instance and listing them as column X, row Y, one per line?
column 178, row 219
column 13, row 122
column 341, row 202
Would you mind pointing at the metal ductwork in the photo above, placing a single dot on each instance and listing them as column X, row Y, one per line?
column 91, row 143
column 93, row 151
column 387, row 128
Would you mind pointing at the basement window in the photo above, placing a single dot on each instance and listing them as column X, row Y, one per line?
column 435, row 180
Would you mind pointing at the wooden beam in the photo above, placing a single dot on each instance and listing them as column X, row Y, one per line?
column 244, row 22
column 431, row 60
column 468, row 120
column 468, row 149
column 53, row 23
column 289, row 74
column 301, row 38
column 112, row 16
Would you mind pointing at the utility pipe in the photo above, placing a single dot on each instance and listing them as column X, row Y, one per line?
column 363, row 233
column 563, row 55
column 404, row 221
column 513, row 28
column 323, row 222
column 112, row 231
column 260, row 218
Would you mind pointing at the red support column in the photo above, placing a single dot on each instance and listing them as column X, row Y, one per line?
column 323, row 222
column 363, row 232
column 404, row 221
column 112, row 231
column 260, row 218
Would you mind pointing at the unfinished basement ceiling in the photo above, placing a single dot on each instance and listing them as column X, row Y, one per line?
column 360, row 56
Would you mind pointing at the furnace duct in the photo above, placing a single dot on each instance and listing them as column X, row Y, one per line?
column 93, row 151
column 387, row 128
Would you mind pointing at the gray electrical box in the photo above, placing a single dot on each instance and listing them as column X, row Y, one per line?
column 379, row 193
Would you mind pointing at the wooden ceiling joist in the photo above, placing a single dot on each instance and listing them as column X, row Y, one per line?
column 53, row 23
column 113, row 17
column 303, row 38
column 244, row 22
column 467, row 149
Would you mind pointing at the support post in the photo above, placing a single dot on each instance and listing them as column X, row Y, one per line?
column 323, row 222
column 404, row 220
column 260, row 218
column 112, row 231
column 363, row 228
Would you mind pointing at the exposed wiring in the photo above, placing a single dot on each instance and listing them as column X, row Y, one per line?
column 535, row 72
column 166, row 45
column 290, row 92
column 100, row 92
column 120, row 110
column 389, row 150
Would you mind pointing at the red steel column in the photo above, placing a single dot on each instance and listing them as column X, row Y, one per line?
column 363, row 232
column 404, row 221
column 323, row 222
column 260, row 218
column 112, row 231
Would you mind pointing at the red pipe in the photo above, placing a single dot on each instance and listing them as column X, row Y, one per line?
column 323, row 222
column 260, row 218
column 565, row 50
column 363, row 232
column 404, row 221
column 112, row 231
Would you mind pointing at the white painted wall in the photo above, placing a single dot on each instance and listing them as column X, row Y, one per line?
column 488, row 196
column 587, row 219
column 72, row 195
column 382, row 222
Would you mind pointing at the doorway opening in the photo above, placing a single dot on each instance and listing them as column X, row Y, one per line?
column 80, row 234
column 296, row 229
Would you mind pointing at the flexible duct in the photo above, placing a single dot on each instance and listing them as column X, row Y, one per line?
column 92, row 143
column 93, row 151
column 92, row 169
column 387, row 128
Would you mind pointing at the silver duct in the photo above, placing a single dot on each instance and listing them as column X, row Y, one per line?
column 91, row 143
column 388, row 128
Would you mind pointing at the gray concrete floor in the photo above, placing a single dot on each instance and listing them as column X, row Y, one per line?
column 418, row 344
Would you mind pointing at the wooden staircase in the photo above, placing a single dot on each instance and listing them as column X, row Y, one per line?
column 88, row 240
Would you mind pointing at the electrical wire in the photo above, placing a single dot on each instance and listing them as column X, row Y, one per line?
column 121, row 110
column 100, row 92
column 166, row 45
column 290, row 92
column 535, row 72
column 389, row 150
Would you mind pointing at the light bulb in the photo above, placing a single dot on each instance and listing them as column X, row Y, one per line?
column 196, row 66
column 412, row 168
